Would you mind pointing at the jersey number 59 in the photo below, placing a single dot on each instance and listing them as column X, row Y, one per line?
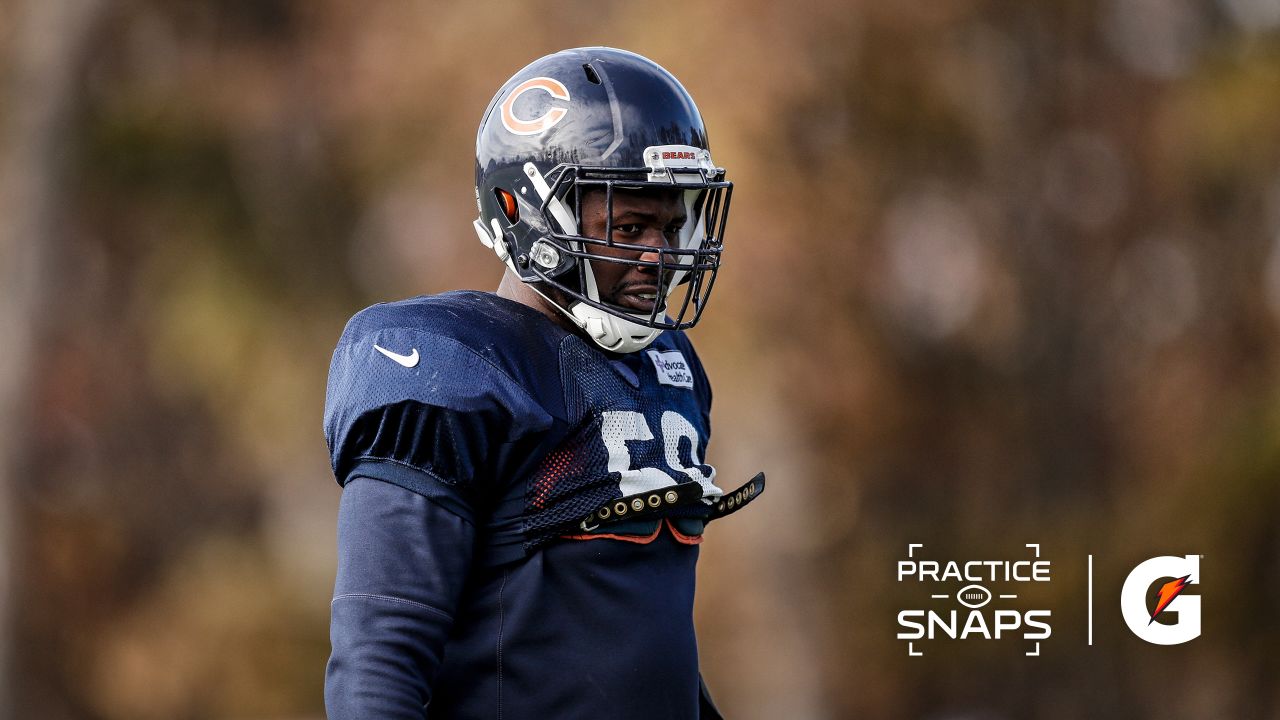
column 619, row 426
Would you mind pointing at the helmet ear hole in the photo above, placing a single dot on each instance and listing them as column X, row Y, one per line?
column 507, row 202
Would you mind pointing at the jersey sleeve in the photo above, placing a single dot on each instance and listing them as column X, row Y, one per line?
column 421, row 410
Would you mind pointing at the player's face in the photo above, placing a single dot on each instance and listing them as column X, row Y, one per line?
column 652, row 218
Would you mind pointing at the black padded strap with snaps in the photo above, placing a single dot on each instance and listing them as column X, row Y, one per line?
column 731, row 502
column 639, row 506
column 657, row 503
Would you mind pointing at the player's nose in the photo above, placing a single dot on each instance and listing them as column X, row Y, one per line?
column 654, row 242
column 655, row 239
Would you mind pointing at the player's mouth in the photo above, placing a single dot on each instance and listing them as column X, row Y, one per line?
column 638, row 298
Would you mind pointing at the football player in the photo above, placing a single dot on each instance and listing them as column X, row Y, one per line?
column 524, row 476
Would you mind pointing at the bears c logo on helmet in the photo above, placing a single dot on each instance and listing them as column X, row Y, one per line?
column 543, row 122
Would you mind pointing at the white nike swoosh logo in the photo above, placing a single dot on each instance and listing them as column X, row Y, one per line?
column 408, row 361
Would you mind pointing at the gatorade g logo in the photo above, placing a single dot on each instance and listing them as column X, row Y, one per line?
column 542, row 123
column 1152, row 602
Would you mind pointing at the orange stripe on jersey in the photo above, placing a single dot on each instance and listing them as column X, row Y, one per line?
column 681, row 537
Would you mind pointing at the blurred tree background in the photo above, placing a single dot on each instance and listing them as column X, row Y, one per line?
column 997, row 273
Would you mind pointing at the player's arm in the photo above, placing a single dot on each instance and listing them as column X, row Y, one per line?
column 413, row 446
column 402, row 561
column 406, row 539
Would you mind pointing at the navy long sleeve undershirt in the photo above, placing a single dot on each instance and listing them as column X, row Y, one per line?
column 402, row 563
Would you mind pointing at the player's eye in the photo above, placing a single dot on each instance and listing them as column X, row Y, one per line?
column 629, row 228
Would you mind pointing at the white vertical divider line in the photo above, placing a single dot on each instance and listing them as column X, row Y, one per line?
column 1090, row 600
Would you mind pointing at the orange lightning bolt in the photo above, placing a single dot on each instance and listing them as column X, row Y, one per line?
column 1168, row 592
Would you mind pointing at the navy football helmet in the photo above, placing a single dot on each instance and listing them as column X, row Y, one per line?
column 598, row 119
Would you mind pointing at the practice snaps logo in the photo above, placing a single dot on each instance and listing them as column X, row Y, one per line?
column 1154, row 605
column 983, row 614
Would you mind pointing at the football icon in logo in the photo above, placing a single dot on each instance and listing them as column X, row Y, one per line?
column 973, row 596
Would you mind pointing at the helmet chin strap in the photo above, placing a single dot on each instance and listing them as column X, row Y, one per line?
column 608, row 331
column 611, row 332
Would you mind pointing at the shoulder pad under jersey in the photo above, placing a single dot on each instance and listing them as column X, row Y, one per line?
column 432, row 354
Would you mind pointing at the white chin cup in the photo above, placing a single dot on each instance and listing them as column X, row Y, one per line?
column 612, row 332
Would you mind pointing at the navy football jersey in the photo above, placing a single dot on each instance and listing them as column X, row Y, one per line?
column 485, row 566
